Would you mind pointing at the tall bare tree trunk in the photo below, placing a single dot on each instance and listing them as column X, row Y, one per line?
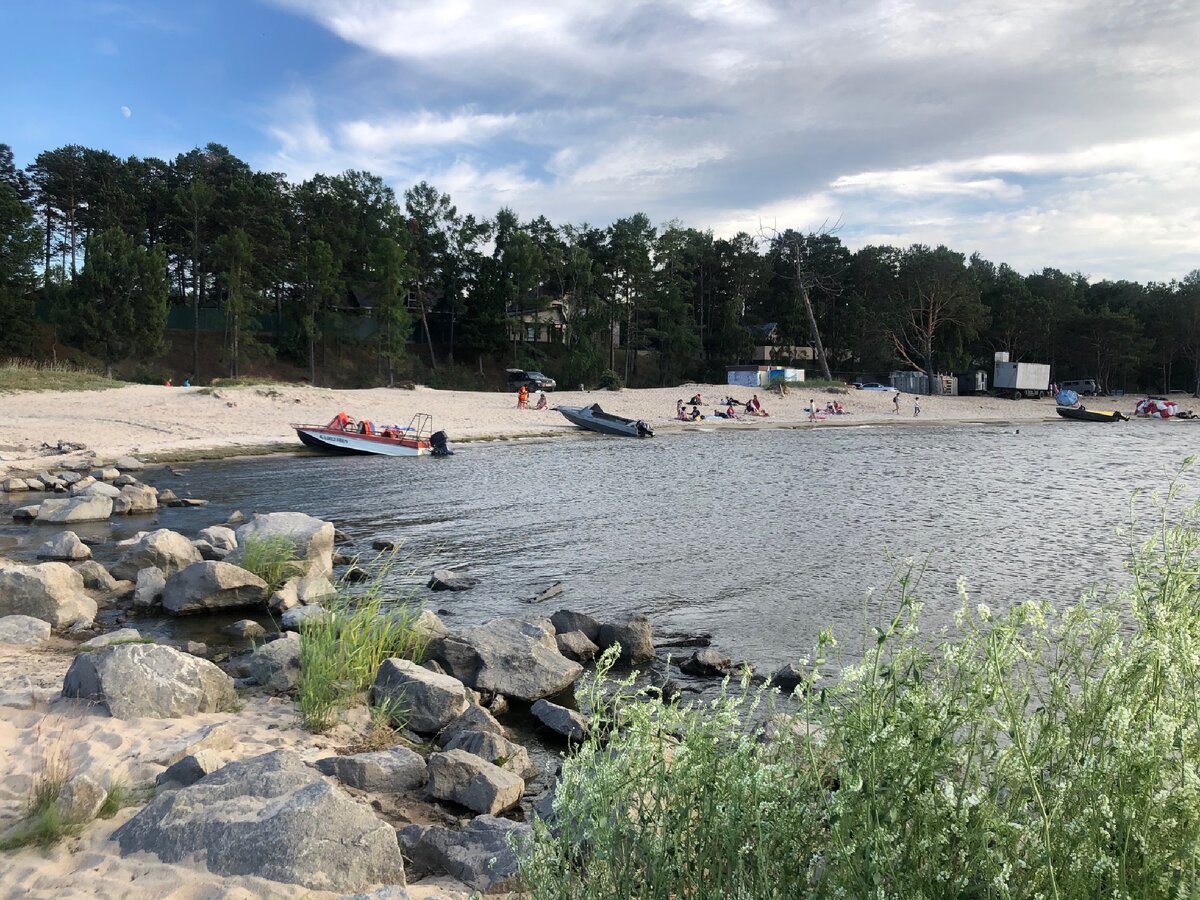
column 812, row 318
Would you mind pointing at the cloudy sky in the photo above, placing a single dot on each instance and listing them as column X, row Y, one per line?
column 1058, row 133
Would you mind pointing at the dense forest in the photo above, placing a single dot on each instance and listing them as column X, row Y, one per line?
column 108, row 252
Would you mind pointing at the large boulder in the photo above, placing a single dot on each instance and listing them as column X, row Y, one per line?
column 312, row 538
column 129, row 464
column 707, row 662
column 276, row 664
column 218, row 536
column 576, row 645
column 427, row 700
column 566, row 620
column 508, row 656
column 163, row 549
column 464, row 778
column 273, row 817
column 189, row 770
column 570, row 723
column 99, row 489
column 393, row 771
column 23, row 630
column 303, row 590
column 450, row 580
column 148, row 680
column 52, row 592
column 65, row 547
column 134, row 499
column 481, row 856
column 12, row 485
column 210, row 585
column 148, row 589
column 75, row 509
column 475, row 718
column 499, row 751
column 633, row 634
column 95, row 576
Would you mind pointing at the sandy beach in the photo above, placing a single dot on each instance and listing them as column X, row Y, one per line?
column 164, row 423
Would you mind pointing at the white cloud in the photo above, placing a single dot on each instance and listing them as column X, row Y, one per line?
column 1062, row 132
column 126, row 111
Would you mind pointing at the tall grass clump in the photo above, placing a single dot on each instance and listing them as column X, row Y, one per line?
column 341, row 651
column 1031, row 753
column 272, row 558
column 27, row 375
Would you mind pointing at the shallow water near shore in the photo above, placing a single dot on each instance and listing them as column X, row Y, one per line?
column 759, row 538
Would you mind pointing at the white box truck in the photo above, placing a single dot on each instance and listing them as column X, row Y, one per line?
column 1021, row 379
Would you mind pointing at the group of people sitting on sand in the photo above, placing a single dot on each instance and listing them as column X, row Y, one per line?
column 734, row 409
column 523, row 398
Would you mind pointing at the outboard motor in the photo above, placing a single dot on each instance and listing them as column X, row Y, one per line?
column 440, row 442
column 643, row 429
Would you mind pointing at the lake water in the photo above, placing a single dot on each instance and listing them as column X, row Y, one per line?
column 761, row 538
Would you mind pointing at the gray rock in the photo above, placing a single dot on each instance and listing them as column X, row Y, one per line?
column 237, row 517
column 70, row 478
column 219, row 737
column 148, row 590
column 210, row 585
column 99, row 489
column 163, row 549
column 247, row 629
column 382, row 544
column 481, row 855
column 23, row 630
column 507, row 656
column 65, row 547
column 633, row 634
column 209, row 552
column 14, row 485
column 393, row 771
column 52, row 592
column 83, row 482
column 707, row 663
column 463, row 778
column 80, row 799
column 135, row 499
column 273, row 817
column 497, row 750
column 569, row 723
column 789, row 678
column 194, row 648
column 75, row 509
column 124, row 481
column 576, row 645
column 303, row 590
column 219, row 536
column 106, row 474
column 566, row 620
column 293, row 619
column 429, row 627
column 95, row 576
column 120, row 636
column 428, row 701
column 450, row 580
column 136, row 680
column 26, row 513
column 129, row 464
column 312, row 538
column 276, row 664
column 474, row 718
column 189, row 770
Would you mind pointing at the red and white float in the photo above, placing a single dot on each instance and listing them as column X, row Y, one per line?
column 1156, row 408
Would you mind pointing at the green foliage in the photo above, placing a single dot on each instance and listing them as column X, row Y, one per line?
column 118, row 304
column 1035, row 753
column 42, row 823
column 341, row 651
column 610, row 381
column 118, row 797
column 22, row 375
column 272, row 558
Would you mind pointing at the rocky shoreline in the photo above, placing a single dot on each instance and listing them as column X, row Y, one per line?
column 230, row 792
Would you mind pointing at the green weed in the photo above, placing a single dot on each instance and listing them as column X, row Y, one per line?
column 271, row 558
column 25, row 375
column 340, row 652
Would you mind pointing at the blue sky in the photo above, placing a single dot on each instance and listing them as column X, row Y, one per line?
column 1050, row 133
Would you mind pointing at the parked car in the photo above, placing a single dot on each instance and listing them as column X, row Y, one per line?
column 875, row 386
column 1084, row 387
column 533, row 380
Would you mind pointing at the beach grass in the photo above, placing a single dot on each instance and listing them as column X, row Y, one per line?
column 341, row 651
column 1036, row 752
column 271, row 558
column 26, row 375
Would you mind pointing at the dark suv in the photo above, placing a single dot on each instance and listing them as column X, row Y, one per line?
column 535, row 381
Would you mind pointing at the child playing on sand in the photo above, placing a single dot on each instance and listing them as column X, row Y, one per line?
column 916, row 406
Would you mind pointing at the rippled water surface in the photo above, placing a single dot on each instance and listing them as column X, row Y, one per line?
column 759, row 537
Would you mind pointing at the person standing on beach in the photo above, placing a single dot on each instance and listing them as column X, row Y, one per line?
column 916, row 406
column 896, row 403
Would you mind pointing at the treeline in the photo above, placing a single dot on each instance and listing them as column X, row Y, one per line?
column 104, row 248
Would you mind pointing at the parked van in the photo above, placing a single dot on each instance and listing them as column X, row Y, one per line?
column 1084, row 387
